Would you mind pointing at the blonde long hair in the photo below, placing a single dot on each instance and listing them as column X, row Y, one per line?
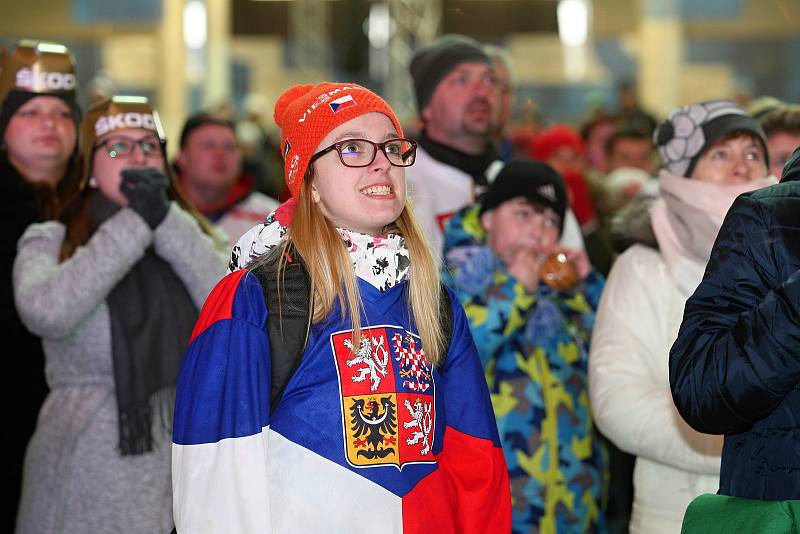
column 332, row 278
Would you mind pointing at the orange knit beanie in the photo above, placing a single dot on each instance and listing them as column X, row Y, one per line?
column 306, row 113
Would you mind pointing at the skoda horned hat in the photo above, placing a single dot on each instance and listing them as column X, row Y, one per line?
column 30, row 68
column 113, row 114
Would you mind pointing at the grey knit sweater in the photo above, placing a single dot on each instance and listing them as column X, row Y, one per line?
column 75, row 481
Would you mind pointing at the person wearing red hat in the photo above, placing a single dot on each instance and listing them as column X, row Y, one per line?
column 385, row 425
column 561, row 147
column 112, row 287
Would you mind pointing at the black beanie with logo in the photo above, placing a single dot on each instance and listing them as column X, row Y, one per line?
column 533, row 180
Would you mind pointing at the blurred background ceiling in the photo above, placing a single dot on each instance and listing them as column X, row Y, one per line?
column 569, row 56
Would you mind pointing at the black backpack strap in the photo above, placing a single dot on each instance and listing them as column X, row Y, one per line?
column 445, row 320
column 288, row 300
column 289, row 314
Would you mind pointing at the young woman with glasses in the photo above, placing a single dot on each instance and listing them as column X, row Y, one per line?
column 386, row 423
column 113, row 287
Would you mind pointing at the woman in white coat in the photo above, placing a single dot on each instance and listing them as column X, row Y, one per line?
column 712, row 152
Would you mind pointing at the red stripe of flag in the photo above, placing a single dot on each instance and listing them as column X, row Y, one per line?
column 469, row 493
column 219, row 304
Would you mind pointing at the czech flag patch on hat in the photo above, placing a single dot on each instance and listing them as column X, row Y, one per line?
column 342, row 103
column 302, row 115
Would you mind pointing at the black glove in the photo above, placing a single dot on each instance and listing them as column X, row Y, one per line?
column 146, row 191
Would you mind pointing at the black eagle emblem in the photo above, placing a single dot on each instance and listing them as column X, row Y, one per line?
column 370, row 421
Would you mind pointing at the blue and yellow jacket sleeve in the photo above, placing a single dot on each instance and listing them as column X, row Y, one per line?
column 496, row 304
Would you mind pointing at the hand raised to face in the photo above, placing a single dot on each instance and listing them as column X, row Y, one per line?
column 146, row 191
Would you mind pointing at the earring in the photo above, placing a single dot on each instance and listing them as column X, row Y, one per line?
column 93, row 182
column 315, row 195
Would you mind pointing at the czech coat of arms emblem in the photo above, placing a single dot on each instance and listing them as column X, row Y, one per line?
column 387, row 397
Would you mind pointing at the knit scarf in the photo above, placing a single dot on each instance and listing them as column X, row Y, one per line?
column 152, row 316
column 686, row 219
column 382, row 261
column 473, row 165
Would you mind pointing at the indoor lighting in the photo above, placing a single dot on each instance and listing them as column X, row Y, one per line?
column 573, row 21
column 194, row 24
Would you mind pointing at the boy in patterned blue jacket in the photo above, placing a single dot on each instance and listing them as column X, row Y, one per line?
column 532, row 326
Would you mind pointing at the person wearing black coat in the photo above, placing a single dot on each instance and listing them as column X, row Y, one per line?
column 39, row 117
column 735, row 366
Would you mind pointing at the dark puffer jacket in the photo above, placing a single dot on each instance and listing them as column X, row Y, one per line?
column 735, row 367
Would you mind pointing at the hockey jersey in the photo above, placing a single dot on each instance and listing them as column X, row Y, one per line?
column 368, row 438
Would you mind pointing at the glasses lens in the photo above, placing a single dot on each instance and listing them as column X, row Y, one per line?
column 356, row 152
column 400, row 152
column 119, row 148
column 149, row 146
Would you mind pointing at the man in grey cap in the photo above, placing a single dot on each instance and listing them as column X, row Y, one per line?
column 457, row 99
column 456, row 96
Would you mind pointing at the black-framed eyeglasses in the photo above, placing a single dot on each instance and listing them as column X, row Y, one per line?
column 121, row 146
column 361, row 152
